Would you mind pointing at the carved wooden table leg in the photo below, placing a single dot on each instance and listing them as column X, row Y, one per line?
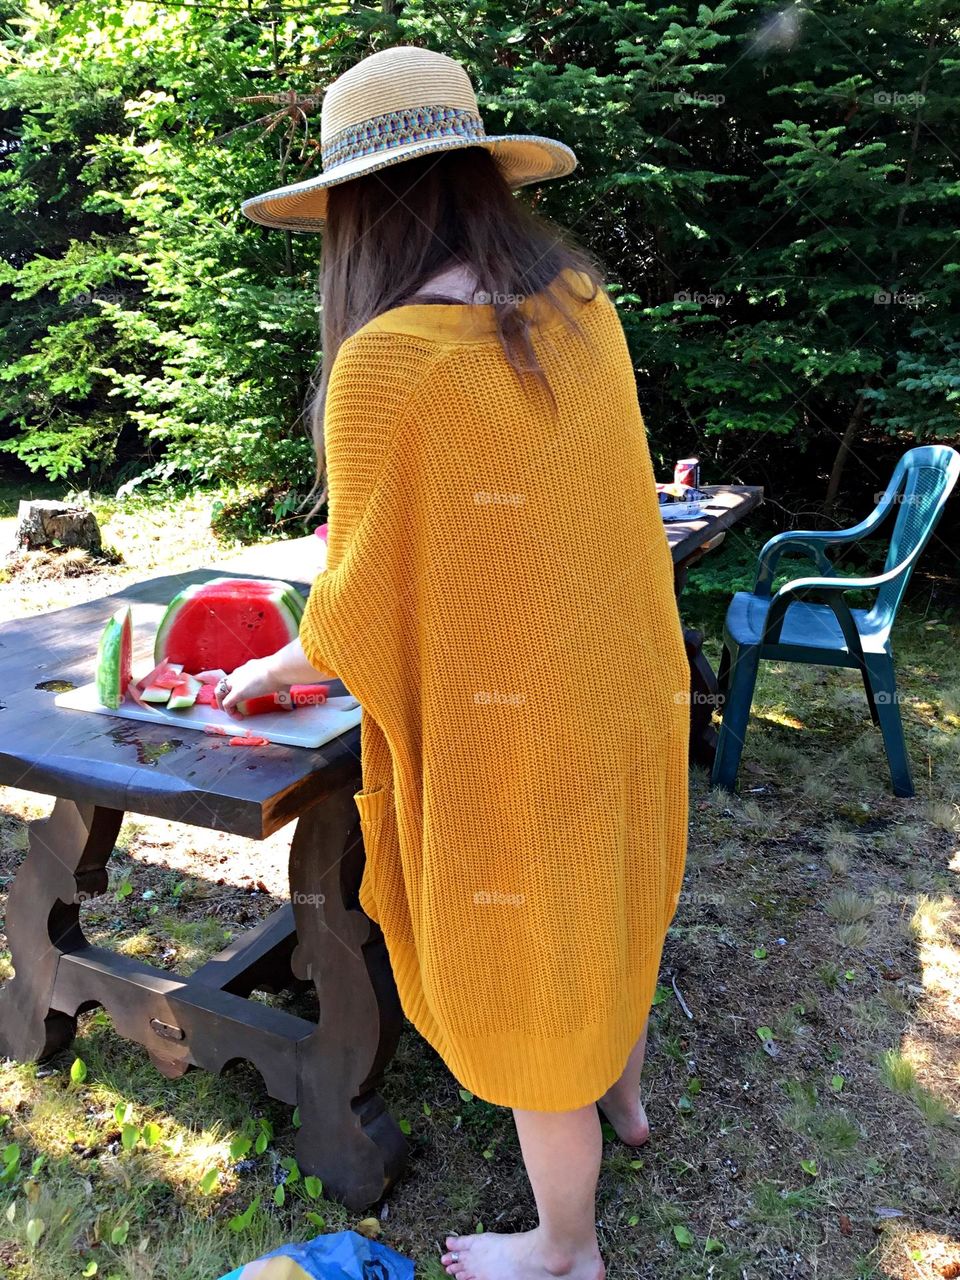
column 703, row 699
column 703, row 681
column 65, row 863
column 346, row 1137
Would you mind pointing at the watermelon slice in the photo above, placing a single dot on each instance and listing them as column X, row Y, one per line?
column 164, row 675
column 169, row 678
column 156, row 686
column 261, row 705
column 226, row 623
column 299, row 695
column 133, row 689
column 185, row 693
column 115, row 658
column 155, row 693
column 211, row 677
column 308, row 695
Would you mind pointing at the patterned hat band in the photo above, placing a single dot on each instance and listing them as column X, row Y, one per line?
column 397, row 128
column 389, row 108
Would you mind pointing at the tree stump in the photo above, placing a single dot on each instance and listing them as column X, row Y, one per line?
column 48, row 524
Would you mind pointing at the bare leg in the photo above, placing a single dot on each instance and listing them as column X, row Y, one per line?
column 621, row 1103
column 561, row 1151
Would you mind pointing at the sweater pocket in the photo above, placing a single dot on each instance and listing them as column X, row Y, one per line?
column 370, row 803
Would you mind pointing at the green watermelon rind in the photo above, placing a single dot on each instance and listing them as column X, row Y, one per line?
column 154, row 693
column 280, row 594
column 110, row 659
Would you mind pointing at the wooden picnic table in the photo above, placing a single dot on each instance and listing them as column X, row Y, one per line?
column 690, row 541
column 99, row 769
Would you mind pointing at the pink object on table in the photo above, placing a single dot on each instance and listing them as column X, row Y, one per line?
column 321, row 531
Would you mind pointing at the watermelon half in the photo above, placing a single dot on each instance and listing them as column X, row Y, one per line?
column 269, row 586
column 115, row 659
column 226, row 622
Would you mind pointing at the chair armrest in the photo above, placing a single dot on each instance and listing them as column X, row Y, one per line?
column 809, row 541
column 839, row 583
column 813, row 541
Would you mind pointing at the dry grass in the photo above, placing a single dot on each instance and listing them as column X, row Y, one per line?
column 142, row 536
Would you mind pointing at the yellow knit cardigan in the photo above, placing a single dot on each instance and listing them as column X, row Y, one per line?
column 499, row 597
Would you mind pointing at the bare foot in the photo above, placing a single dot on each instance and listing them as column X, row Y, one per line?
column 521, row 1256
column 626, row 1115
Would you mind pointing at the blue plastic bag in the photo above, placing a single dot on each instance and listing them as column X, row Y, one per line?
column 342, row 1255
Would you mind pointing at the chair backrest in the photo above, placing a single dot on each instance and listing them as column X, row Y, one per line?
column 920, row 485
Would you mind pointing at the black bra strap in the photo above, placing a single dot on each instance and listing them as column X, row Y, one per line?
column 429, row 298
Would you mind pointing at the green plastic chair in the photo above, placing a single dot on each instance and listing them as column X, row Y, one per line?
column 809, row 620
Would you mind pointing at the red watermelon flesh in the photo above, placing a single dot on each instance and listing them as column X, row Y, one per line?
column 169, row 679
column 261, row 705
column 126, row 657
column 308, row 695
column 223, row 628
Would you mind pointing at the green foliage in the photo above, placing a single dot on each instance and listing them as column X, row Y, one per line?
column 149, row 328
column 771, row 190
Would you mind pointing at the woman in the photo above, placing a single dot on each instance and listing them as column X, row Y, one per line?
column 499, row 597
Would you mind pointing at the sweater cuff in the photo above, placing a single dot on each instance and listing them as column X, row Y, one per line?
column 313, row 655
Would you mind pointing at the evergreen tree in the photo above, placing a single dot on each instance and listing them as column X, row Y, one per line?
column 771, row 188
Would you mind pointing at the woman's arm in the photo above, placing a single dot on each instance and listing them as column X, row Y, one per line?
column 289, row 665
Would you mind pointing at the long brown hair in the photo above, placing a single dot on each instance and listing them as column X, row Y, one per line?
column 387, row 233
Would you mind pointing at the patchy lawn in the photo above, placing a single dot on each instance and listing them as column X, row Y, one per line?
column 805, row 1113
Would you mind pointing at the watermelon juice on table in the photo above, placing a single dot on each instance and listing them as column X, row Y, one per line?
column 207, row 631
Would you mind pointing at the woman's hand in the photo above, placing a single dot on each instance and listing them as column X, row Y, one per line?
column 251, row 680
column 260, row 676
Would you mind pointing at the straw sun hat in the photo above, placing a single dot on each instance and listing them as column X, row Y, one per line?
column 393, row 105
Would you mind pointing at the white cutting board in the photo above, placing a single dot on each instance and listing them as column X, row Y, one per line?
column 302, row 727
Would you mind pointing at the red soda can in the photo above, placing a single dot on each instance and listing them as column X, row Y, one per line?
column 687, row 471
